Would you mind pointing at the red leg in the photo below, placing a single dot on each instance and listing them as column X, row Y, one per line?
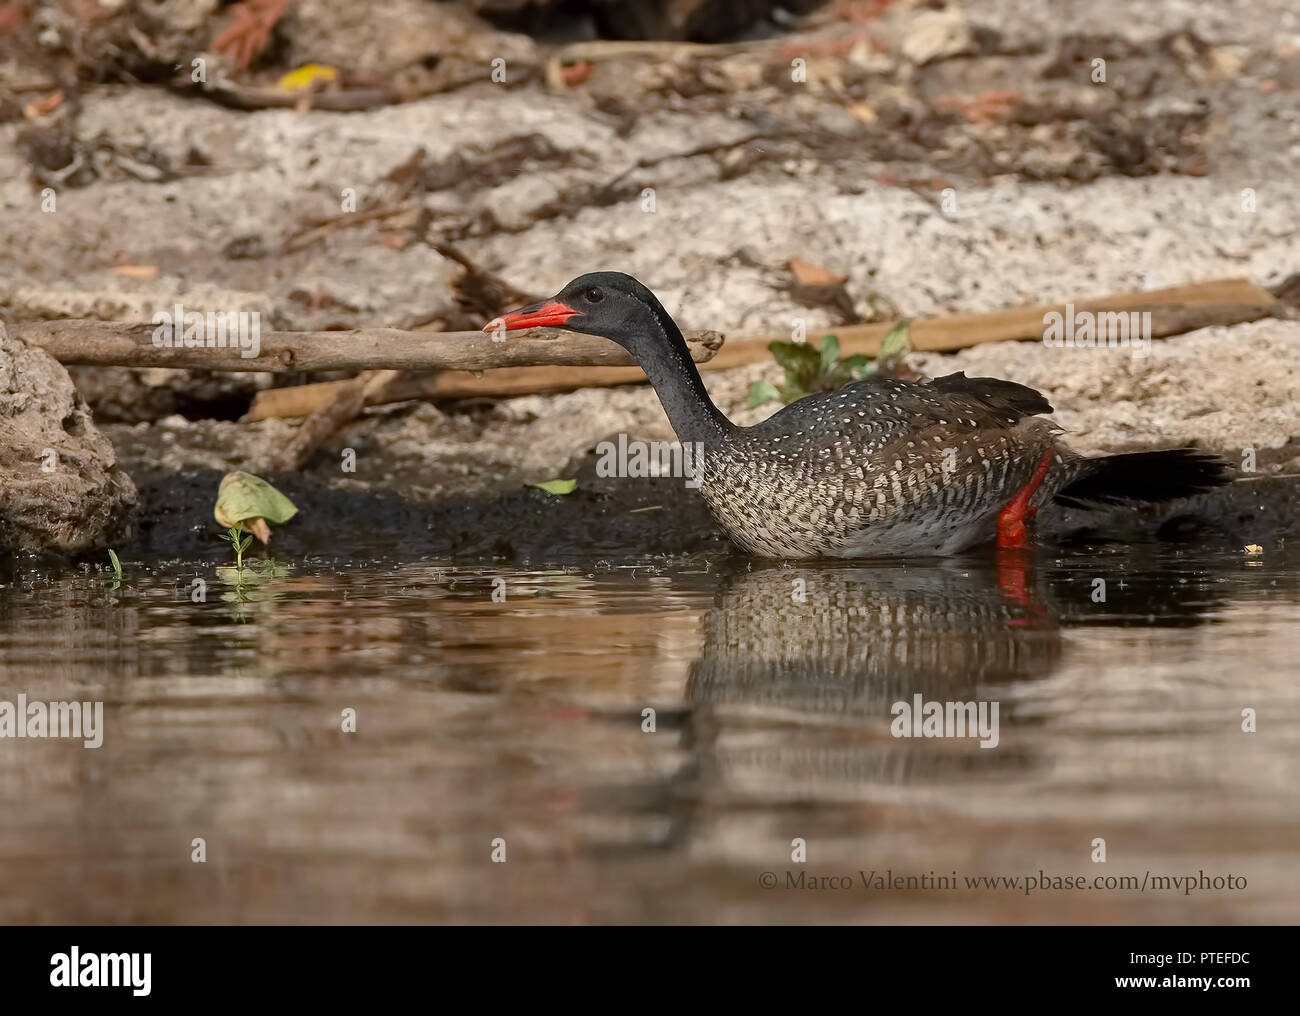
column 1011, row 522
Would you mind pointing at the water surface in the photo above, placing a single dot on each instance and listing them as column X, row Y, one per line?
column 521, row 719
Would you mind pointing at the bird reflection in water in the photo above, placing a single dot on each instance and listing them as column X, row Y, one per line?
column 855, row 639
column 790, row 696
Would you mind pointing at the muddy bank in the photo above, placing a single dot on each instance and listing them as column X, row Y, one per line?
column 606, row 522
column 615, row 519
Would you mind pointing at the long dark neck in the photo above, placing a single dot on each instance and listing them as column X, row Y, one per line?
column 680, row 388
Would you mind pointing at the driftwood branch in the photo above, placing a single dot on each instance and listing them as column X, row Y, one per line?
column 104, row 343
column 299, row 400
column 1174, row 310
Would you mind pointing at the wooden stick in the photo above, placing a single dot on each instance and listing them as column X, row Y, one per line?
column 107, row 343
column 1173, row 311
column 303, row 400
column 300, row 400
column 347, row 401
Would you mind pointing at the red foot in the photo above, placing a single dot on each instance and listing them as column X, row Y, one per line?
column 1011, row 522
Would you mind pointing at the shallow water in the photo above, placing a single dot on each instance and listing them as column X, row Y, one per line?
column 522, row 719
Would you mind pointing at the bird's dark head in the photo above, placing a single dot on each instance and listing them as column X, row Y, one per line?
column 601, row 303
column 618, row 307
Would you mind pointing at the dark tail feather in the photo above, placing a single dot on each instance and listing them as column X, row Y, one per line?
column 1145, row 476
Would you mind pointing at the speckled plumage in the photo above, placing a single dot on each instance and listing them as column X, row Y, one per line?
column 882, row 468
column 878, row 468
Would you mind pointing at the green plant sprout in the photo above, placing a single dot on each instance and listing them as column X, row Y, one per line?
column 240, row 541
column 809, row 369
column 115, row 583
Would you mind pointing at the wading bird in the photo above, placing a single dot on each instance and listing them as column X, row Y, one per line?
column 877, row 468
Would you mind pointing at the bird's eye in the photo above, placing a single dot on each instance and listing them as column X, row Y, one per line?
column 594, row 295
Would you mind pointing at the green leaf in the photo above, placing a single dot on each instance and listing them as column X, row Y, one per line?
column 557, row 486
column 895, row 343
column 800, row 359
column 760, row 392
column 117, row 565
column 243, row 496
column 830, row 353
